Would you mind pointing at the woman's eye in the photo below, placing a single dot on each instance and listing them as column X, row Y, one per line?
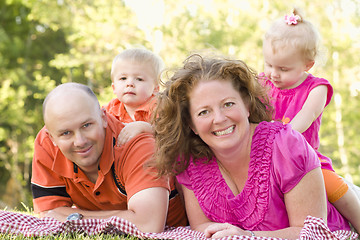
column 229, row 104
column 86, row 125
column 202, row 113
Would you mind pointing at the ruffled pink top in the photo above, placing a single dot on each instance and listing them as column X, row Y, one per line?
column 280, row 157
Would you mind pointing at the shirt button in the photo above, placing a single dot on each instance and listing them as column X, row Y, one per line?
column 97, row 193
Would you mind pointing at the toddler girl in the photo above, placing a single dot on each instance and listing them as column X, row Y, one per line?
column 290, row 46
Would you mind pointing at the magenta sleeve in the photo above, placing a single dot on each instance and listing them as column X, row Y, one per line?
column 293, row 158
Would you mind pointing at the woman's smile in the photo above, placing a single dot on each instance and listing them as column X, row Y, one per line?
column 224, row 132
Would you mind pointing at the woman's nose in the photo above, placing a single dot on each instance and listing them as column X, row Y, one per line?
column 219, row 116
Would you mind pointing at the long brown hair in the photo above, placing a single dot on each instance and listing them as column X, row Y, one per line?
column 176, row 143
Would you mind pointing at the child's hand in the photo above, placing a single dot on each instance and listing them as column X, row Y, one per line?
column 133, row 129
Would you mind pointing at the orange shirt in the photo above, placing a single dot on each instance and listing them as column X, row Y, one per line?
column 143, row 113
column 57, row 182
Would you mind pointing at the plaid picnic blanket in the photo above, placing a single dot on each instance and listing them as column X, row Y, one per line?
column 30, row 226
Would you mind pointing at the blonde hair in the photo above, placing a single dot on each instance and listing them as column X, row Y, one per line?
column 176, row 143
column 303, row 36
column 140, row 55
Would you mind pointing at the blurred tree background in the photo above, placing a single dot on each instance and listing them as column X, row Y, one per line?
column 44, row 43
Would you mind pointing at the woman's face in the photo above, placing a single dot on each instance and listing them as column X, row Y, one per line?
column 219, row 115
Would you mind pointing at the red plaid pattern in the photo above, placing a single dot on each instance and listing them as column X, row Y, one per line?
column 27, row 225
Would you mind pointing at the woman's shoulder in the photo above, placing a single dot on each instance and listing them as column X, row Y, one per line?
column 274, row 128
column 290, row 156
column 268, row 129
column 199, row 171
column 263, row 142
column 281, row 143
column 278, row 133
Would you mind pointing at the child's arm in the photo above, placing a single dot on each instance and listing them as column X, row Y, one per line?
column 132, row 129
column 312, row 108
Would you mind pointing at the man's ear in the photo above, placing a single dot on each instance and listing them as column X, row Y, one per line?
column 104, row 118
column 309, row 65
column 50, row 136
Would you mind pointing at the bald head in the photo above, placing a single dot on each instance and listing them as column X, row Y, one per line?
column 76, row 124
column 67, row 95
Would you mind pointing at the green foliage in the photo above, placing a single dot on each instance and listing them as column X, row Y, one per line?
column 24, row 81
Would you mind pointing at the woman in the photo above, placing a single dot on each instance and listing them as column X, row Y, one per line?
column 240, row 174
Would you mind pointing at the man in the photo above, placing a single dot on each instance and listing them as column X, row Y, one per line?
column 76, row 162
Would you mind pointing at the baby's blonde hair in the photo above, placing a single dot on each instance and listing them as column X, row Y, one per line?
column 303, row 36
column 140, row 55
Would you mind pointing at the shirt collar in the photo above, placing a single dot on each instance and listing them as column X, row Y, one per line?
column 145, row 108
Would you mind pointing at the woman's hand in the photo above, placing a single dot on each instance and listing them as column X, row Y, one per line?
column 219, row 230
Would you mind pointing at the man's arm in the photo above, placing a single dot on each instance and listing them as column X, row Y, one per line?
column 147, row 204
column 147, row 209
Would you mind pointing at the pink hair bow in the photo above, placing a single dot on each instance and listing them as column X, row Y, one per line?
column 292, row 19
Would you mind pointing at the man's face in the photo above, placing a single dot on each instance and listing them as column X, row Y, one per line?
column 77, row 126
